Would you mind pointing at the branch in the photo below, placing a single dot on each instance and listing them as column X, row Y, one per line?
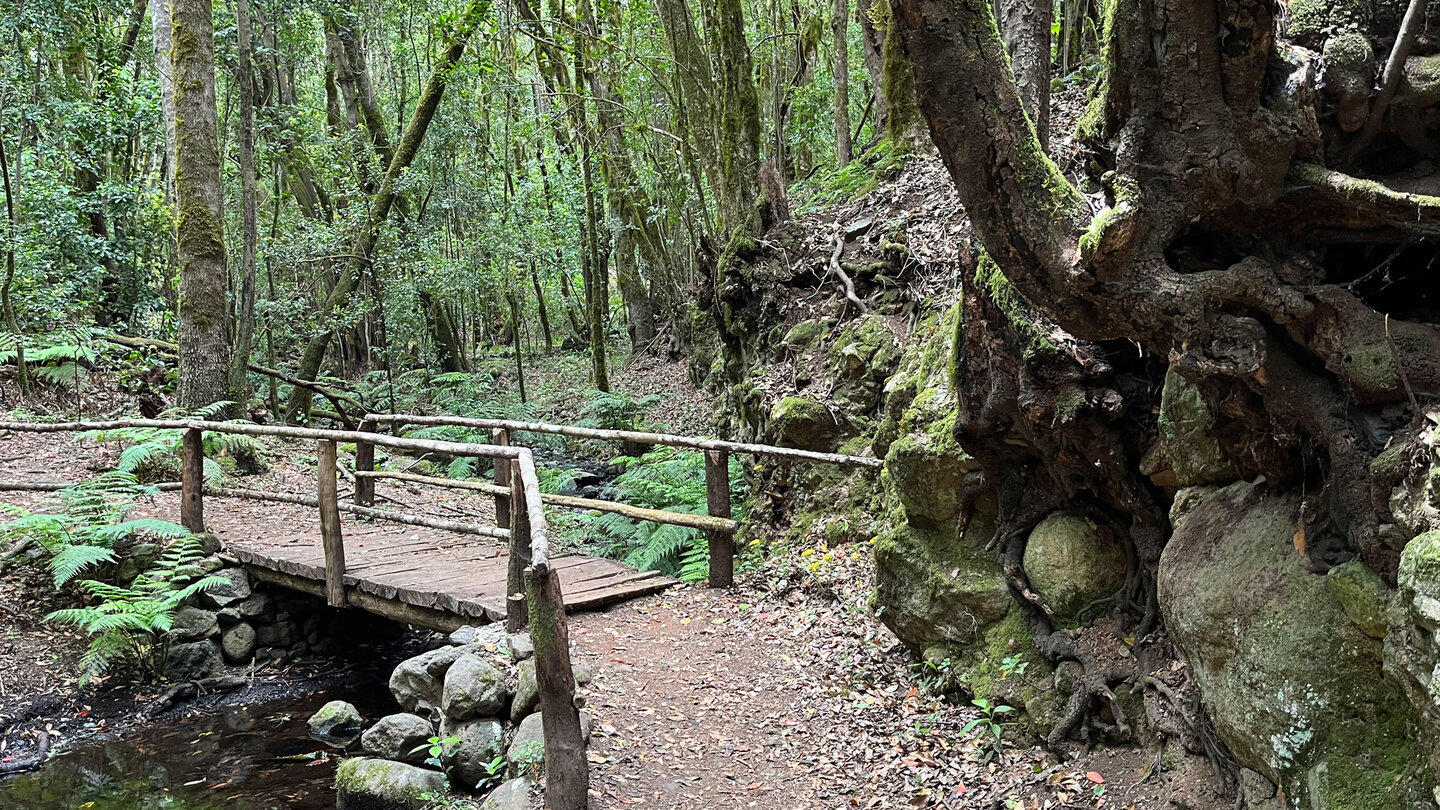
column 1410, row 29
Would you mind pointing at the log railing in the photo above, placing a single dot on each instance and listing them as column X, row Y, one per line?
column 717, row 525
column 535, row 597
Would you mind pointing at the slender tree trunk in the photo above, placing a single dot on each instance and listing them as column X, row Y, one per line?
column 540, row 305
column 1025, row 27
column 369, row 234
column 840, row 29
column 161, row 36
column 12, row 233
column 597, row 286
column 249, row 200
column 200, row 225
column 515, row 341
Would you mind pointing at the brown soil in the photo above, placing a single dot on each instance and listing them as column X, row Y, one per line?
column 787, row 693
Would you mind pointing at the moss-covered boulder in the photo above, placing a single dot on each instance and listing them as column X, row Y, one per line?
column 803, row 336
column 864, row 356
column 1363, row 595
column 936, row 586
column 1072, row 563
column 382, row 784
column 1185, row 454
column 1412, row 641
column 927, row 473
column 804, row 424
column 1294, row 688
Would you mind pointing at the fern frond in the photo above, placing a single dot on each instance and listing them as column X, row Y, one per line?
column 161, row 529
column 70, row 561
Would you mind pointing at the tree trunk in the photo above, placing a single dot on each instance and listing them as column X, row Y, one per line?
column 1025, row 26
column 200, row 225
column 369, row 234
column 7, row 307
column 840, row 30
column 514, row 299
column 249, row 200
column 160, row 37
column 540, row 304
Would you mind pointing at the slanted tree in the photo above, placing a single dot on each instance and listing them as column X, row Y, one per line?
column 199, row 221
column 1224, row 251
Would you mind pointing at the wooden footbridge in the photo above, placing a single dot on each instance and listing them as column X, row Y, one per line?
column 376, row 566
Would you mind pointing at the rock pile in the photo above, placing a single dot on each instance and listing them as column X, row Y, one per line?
column 470, row 722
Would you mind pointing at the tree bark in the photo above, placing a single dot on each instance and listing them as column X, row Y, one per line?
column 1025, row 26
column 369, row 234
column 12, row 233
column 840, row 30
column 205, row 349
column 161, row 39
column 540, row 304
column 249, row 201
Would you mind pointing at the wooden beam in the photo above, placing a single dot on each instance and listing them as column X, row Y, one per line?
column 717, row 502
column 393, row 609
column 517, row 614
column 539, row 529
column 331, row 537
column 364, row 462
column 702, row 522
column 399, row 420
column 56, row 486
column 192, row 480
column 501, row 437
column 566, row 770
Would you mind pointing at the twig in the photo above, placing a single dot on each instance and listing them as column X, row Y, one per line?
column 1400, row 367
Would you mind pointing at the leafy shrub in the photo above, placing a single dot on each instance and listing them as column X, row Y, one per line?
column 669, row 479
column 153, row 455
column 129, row 622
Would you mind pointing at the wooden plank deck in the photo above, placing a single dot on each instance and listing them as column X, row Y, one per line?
column 466, row 581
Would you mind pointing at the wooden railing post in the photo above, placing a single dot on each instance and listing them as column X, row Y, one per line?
column 717, row 499
column 330, row 537
column 517, row 614
column 365, row 461
column 192, row 480
column 500, row 437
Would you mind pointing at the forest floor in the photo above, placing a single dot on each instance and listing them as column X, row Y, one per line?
column 787, row 692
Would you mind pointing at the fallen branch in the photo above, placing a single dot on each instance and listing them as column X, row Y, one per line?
column 841, row 274
column 337, row 398
column 190, row 689
column 42, row 749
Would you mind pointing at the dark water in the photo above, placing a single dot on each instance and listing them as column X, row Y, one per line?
column 228, row 759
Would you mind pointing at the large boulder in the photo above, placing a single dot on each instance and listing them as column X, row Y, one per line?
column 1412, row 643
column 380, row 784
column 932, row 586
column 1072, row 563
column 337, row 723
column 397, row 736
column 192, row 661
column 1185, row 454
column 236, row 587
column 418, row 682
column 805, row 424
column 512, row 795
column 481, row 744
column 527, row 692
column 193, row 624
column 1294, row 687
column 238, row 643
column 527, row 747
column 473, row 688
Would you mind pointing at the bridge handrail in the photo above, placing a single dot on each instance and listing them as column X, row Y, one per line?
column 639, row 437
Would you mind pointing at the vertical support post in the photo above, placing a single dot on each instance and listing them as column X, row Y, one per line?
column 717, row 501
column 567, row 779
column 192, row 480
column 517, row 611
column 500, row 437
column 365, row 461
column 330, row 537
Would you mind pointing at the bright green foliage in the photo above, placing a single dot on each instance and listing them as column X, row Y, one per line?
column 152, row 454
column 128, row 623
column 91, row 521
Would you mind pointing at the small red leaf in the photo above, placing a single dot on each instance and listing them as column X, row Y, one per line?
column 1095, row 777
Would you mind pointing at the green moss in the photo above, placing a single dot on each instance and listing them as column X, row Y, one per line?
column 1371, row 368
column 1420, row 563
column 1010, row 304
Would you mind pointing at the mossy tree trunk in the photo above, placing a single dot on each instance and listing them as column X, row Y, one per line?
column 200, row 225
column 369, row 233
column 840, row 33
column 1025, row 26
column 1219, row 256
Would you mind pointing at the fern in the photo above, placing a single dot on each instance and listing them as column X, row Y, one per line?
column 668, row 479
column 71, row 560
column 129, row 622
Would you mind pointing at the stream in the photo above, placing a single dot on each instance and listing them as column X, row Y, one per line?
column 232, row 758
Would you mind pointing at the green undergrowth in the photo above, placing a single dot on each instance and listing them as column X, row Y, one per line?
column 881, row 162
